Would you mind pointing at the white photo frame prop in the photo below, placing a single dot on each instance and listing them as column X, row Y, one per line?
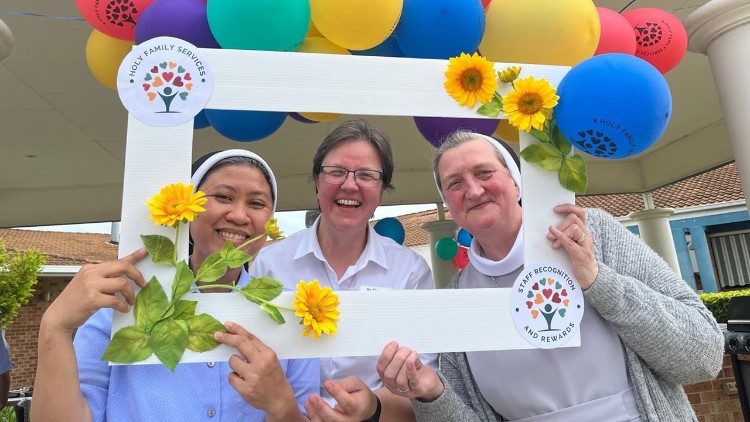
column 427, row 320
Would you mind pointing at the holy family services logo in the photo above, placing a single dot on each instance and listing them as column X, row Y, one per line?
column 546, row 305
column 164, row 82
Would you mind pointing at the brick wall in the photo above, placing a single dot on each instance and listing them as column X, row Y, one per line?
column 22, row 334
column 717, row 400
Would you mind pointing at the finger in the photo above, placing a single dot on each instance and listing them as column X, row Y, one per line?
column 323, row 410
column 241, row 343
column 343, row 398
column 402, row 380
column 121, row 267
column 240, row 366
column 413, row 365
column 386, row 356
column 391, row 372
column 564, row 241
column 571, row 209
column 102, row 300
column 352, row 384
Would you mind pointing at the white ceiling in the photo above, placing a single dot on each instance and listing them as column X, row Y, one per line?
column 62, row 145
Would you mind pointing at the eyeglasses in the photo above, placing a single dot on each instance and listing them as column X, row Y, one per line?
column 337, row 176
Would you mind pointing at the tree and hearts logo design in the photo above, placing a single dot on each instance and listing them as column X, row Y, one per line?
column 167, row 81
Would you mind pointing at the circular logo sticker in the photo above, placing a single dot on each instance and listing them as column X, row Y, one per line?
column 164, row 82
column 546, row 305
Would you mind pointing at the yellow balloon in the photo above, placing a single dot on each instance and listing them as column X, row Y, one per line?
column 356, row 24
column 313, row 31
column 104, row 55
column 540, row 31
column 506, row 131
column 324, row 46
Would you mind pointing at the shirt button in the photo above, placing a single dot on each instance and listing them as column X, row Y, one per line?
column 211, row 364
column 211, row 412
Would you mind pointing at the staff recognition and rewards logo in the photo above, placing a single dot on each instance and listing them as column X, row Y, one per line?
column 546, row 305
column 164, row 82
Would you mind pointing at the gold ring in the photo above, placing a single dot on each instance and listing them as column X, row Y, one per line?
column 580, row 239
column 402, row 391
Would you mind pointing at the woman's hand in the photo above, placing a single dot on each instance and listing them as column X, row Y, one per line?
column 356, row 402
column 573, row 235
column 94, row 287
column 403, row 374
column 258, row 376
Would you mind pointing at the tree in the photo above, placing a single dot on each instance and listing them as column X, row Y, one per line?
column 18, row 271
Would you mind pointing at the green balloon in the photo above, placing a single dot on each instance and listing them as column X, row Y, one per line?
column 272, row 25
column 446, row 248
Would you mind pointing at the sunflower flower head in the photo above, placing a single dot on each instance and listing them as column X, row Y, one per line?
column 318, row 308
column 470, row 79
column 509, row 74
column 530, row 103
column 176, row 203
column 272, row 229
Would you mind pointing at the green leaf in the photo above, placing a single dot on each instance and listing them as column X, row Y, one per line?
column 128, row 345
column 573, row 175
column 234, row 258
column 273, row 312
column 183, row 280
column 168, row 341
column 150, row 305
column 160, row 248
column 546, row 155
column 201, row 329
column 213, row 267
column 265, row 288
column 543, row 136
column 491, row 108
column 184, row 309
column 559, row 140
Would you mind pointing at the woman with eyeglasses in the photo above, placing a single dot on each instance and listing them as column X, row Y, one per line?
column 351, row 170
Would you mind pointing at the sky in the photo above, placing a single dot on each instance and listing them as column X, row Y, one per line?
column 289, row 221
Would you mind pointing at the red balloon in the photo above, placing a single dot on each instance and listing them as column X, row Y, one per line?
column 617, row 35
column 661, row 39
column 485, row 3
column 462, row 257
column 116, row 18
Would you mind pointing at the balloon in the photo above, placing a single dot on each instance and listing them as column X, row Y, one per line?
column 485, row 3
column 446, row 248
column 297, row 117
column 275, row 25
column 200, row 121
column 184, row 19
column 660, row 36
column 540, row 31
column 617, row 35
column 104, row 55
column 313, row 31
column 435, row 129
column 440, row 29
column 392, row 228
column 461, row 260
column 245, row 126
column 324, row 46
column 464, row 237
column 388, row 48
column 116, row 18
column 506, row 131
column 356, row 24
column 6, row 40
column 613, row 106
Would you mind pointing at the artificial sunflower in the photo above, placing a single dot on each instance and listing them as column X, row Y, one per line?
column 174, row 203
column 318, row 308
column 530, row 103
column 509, row 74
column 470, row 79
column 272, row 229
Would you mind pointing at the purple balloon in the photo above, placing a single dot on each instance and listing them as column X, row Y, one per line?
column 435, row 129
column 298, row 117
column 184, row 19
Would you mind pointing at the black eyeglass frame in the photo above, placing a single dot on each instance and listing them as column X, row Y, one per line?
column 324, row 174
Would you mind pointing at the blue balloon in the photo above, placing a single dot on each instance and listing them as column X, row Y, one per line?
column 440, row 29
column 464, row 237
column 387, row 48
column 613, row 105
column 391, row 227
column 200, row 121
column 245, row 126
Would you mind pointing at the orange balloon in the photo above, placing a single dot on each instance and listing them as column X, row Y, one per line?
column 104, row 55
column 506, row 131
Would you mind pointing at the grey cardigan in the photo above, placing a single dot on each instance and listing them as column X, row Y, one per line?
column 670, row 337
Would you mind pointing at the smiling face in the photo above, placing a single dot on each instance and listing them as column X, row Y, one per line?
column 348, row 207
column 478, row 189
column 239, row 204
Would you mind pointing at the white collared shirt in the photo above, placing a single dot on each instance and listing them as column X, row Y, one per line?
column 383, row 264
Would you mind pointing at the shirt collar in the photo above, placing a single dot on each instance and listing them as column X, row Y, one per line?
column 373, row 252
